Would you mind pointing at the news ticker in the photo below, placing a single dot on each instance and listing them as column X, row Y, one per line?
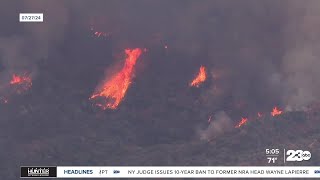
column 170, row 171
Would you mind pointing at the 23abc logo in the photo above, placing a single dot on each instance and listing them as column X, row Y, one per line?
column 298, row 155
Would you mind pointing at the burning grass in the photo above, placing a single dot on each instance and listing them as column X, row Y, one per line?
column 114, row 90
column 200, row 78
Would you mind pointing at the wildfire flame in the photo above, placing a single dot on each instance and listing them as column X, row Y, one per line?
column 114, row 90
column 201, row 77
column 242, row 122
column 21, row 82
column 276, row 111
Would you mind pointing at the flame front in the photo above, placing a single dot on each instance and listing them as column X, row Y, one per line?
column 21, row 83
column 276, row 111
column 201, row 77
column 242, row 122
column 114, row 90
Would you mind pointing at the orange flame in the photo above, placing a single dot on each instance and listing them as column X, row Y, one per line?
column 242, row 122
column 23, row 83
column 115, row 89
column 200, row 78
column 276, row 111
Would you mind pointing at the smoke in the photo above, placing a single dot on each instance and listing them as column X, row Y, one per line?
column 12, row 53
column 243, row 38
column 267, row 50
column 301, row 62
column 27, row 43
column 220, row 124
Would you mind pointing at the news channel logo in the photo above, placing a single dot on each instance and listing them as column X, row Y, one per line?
column 38, row 171
column 298, row 155
column 317, row 171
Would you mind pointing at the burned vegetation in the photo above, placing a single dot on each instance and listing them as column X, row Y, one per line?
column 216, row 86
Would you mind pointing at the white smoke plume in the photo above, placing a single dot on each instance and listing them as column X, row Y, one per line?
column 220, row 124
column 301, row 62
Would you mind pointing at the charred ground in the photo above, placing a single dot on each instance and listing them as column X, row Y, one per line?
column 55, row 123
